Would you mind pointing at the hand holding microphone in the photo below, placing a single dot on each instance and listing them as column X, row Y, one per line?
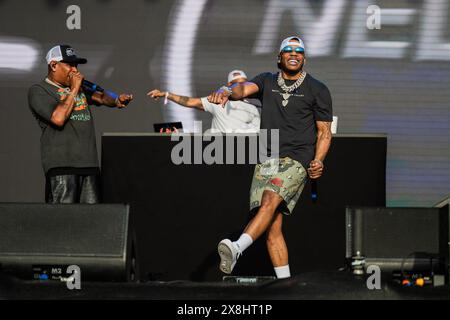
column 315, row 169
column 121, row 101
column 76, row 80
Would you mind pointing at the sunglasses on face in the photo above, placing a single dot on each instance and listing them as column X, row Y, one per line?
column 289, row 49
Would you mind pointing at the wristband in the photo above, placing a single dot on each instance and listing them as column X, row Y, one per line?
column 226, row 89
column 166, row 98
column 112, row 95
column 70, row 93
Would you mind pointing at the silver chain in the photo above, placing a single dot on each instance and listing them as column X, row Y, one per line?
column 289, row 89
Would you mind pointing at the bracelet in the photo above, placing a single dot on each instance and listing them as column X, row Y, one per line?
column 166, row 98
column 70, row 93
column 226, row 89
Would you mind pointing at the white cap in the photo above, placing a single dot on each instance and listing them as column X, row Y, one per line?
column 236, row 74
column 54, row 54
column 288, row 42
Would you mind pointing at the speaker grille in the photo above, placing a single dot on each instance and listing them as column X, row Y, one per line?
column 396, row 233
column 63, row 230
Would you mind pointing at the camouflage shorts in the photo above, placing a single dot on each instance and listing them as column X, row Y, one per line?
column 284, row 176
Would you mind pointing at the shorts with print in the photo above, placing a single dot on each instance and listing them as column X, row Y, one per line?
column 284, row 176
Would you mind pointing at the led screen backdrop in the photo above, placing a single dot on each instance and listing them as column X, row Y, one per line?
column 393, row 80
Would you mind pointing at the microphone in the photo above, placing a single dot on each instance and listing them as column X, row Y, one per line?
column 314, row 194
column 93, row 87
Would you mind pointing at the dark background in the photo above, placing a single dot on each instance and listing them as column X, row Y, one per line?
column 189, row 46
column 179, row 213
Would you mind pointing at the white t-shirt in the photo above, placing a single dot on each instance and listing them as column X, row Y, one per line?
column 234, row 117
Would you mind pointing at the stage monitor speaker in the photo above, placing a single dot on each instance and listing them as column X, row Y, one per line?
column 40, row 241
column 398, row 239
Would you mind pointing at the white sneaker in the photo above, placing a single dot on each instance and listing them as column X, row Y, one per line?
column 229, row 255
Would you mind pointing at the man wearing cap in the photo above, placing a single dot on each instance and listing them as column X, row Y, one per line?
column 300, row 107
column 234, row 117
column 62, row 108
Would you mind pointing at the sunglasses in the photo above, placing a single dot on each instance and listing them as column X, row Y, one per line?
column 289, row 49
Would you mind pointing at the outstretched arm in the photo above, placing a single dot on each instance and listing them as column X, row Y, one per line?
column 237, row 91
column 181, row 100
column 104, row 99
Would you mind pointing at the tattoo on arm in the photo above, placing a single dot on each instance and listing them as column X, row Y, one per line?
column 323, row 139
column 183, row 100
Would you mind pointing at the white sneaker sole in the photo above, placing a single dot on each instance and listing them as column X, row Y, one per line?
column 226, row 258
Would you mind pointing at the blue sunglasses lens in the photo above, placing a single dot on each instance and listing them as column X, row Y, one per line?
column 290, row 49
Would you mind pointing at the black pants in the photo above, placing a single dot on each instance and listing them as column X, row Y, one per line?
column 72, row 188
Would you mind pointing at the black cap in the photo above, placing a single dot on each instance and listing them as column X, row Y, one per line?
column 64, row 53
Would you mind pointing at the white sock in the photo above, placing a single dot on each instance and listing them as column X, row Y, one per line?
column 283, row 272
column 243, row 242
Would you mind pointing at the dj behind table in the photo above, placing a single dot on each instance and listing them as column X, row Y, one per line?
column 179, row 212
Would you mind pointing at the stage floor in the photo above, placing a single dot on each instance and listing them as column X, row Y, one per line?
column 306, row 286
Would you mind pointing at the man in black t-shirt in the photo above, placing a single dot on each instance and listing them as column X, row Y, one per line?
column 300, row 107
column 61, row 105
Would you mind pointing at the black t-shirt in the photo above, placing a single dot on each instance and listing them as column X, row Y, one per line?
column 309, row 103
column 72, row 145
